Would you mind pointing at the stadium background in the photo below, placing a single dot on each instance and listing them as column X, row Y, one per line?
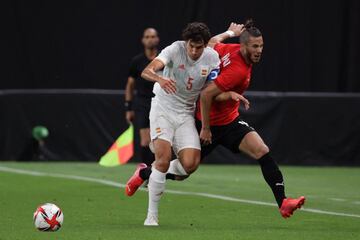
column 65, row 64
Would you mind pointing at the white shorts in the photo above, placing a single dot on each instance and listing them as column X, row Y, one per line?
column 178, row 129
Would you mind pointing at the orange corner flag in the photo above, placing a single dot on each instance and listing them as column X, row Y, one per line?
column 121, row 151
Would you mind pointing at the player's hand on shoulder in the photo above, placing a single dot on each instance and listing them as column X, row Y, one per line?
column 168, row 85
column 130, row 115
column 236, row 28
column 238, row 97
column 205, row 136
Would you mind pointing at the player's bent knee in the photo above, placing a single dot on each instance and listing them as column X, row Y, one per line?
column 261, row 151
column 162, row 159
column 191, row 166
column 162, row 165
column 190, row 169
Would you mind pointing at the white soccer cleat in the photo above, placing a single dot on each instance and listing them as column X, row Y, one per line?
column 151, row 220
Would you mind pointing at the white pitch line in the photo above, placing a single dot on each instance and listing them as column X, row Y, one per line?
column 206, row 195
column 337, row 199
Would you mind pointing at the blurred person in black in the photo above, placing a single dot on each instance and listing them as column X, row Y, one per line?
column 138, row 106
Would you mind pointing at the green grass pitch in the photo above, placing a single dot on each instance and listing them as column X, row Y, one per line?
column 98, row 211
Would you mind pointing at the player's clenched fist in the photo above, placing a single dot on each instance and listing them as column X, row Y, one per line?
column 168, row 85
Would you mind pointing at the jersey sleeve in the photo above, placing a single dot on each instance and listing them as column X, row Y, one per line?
column 213, row 75
column 223, row 48
column 133, row 69
column 215, row 60
column 214, row 66
column 227, row 80
column 220, row 48
column 168, row 53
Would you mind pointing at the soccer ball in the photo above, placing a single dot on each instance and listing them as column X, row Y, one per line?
column 48, row 217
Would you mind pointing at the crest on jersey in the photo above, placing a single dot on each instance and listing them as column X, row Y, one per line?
column 182, row 67
column 204, row 72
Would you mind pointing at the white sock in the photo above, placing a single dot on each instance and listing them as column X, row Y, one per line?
column 156, row 187
column 176, row 168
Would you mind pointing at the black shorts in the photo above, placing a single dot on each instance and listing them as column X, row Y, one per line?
column 142, row 111
column 229, row 136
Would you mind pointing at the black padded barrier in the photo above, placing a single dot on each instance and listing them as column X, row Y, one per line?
column 299, row 128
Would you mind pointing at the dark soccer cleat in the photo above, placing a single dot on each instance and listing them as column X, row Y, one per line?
column 135, row 181
column 289, row 205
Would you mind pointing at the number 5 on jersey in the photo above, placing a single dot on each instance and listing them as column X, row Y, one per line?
column 189, row 83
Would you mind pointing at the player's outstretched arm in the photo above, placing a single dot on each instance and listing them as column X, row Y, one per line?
column 150, row 74
column 233, row 96
column 234, row 30
column 212, row 91
column 224, row 96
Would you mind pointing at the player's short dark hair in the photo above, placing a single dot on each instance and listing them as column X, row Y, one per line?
column 250, row 31
column 150, row 28
column 197, row 32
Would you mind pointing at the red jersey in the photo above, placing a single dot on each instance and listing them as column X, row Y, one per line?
column 234, row 76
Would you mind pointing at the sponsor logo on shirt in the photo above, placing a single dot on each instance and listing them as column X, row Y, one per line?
column 226, row 60
column 244, row 123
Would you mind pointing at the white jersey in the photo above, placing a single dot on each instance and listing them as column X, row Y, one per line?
column 190, row 77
